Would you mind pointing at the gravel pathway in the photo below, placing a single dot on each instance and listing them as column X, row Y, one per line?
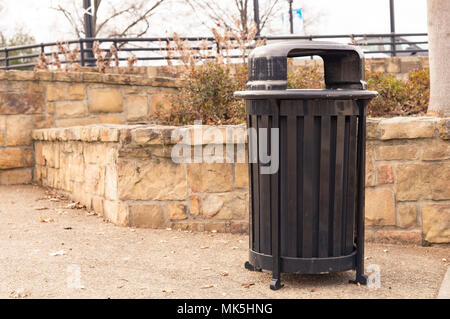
column 45, row 245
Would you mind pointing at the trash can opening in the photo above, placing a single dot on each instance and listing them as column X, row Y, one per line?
column 305, row 72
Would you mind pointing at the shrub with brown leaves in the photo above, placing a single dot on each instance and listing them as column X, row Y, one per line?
column 210, row 77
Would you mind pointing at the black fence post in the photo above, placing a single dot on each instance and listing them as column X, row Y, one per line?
column 82, row 53
column 392, row 16
column 256, row 16
column 89, row 31
column 393, row 46
column 291, row 18
column 218, row 47
column 6, row 58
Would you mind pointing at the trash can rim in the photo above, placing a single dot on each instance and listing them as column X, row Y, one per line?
column 305, row 94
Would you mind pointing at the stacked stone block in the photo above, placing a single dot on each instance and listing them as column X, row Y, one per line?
column 126, row 174
column 408, row 179
column 35, row 100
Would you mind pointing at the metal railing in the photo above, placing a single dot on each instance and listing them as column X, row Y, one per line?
column 155, row 50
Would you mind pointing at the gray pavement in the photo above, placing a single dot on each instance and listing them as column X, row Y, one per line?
column 48, row 250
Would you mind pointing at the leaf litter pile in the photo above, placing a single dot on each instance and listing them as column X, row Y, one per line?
column 55, row 197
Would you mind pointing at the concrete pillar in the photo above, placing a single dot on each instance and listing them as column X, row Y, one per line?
column 439, row 46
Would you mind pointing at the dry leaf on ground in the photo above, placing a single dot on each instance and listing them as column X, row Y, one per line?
column 46, row 220
column 20, row 293
column 58, row 253
column 206, row 286
column 75, row 205
column 247, row 285
column 166, row 290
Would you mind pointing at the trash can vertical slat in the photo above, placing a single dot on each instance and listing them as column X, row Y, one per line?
column 324, row 185
column 291, row 185
column 351, row 188
column 300, row 186
column 332, row 184
column 264, row 194
column 345, row 182
column 250, row 179
column 338, row 191
column 308, row 182
column 316, row 183
column 255, row 189
column 284, row 213
column 275, row 206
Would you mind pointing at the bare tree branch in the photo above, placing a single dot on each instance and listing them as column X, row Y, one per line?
column 268, row 14
column 116, row 14
column 70, row 18
column 134, row 10
column 143, row 17
column 94, row 18
column 226, row 16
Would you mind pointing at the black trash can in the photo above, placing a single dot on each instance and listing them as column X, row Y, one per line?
column 307, row 217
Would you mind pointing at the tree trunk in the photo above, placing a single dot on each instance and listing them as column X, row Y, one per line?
column 439, row 54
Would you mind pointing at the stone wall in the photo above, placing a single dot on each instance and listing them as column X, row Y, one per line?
column 126, row 174
column 408, row 179
column 398, row 66
column 35, row 100
column 135, row 181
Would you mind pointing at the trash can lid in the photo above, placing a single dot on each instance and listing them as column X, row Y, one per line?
column 343, row 64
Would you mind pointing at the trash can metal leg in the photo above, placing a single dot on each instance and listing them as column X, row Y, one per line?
column 275, row 284
column 250, row 267
column 361, row 166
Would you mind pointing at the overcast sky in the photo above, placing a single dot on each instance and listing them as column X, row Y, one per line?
column 343, row 17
